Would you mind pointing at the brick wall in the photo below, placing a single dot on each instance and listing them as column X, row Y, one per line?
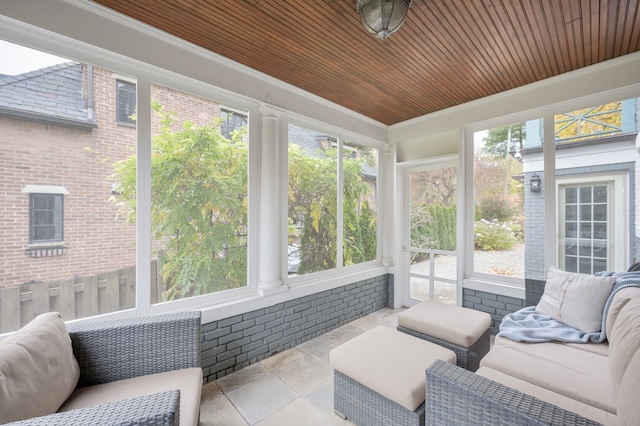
column 233, row 343
column 97, row 234
column 496, row 305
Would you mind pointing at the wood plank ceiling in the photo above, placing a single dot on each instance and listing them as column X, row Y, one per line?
column 448, row 52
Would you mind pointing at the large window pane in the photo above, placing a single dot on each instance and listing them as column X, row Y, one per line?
column 198, row 196
column 498, row 201
column 593, row 169
column 313, row 209
column 360, row 171
column 67, row 246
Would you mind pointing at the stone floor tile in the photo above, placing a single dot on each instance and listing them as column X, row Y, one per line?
column 303, row 374
column 242, row 377
column 220, row 411
column 292, row 415
column 262, row 397
column 282, row 358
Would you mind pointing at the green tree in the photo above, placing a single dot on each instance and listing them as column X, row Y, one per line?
column 198, row 206
column 312, row 193
column 589, row 123
column 502, row 140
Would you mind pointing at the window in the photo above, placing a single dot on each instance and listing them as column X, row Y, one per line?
column 360, row 177
column 498, row 218
column 589, row 231
column 126, row 102
column 46, row 218
column 75, row 250
column 517, row 231
column 594, row 162
column 331, row 202
column 199, row 197
column 231, row 121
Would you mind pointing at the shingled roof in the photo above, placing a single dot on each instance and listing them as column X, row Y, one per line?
column 52, row 94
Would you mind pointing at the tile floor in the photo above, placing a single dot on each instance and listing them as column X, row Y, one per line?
column 294, row 387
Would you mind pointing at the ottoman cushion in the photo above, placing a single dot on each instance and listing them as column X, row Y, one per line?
column 451, row 323
column 390, row 363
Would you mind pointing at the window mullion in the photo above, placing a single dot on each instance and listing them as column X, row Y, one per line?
column 549, row 183
column 339, row 207
column 143, row 202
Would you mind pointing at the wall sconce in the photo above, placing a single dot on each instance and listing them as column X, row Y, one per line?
column 382, row 17
column 535, row 183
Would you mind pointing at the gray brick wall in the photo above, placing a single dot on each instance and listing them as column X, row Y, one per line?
column 496, row 305
column 236, row 342
column 533, row 232
column 391, row 297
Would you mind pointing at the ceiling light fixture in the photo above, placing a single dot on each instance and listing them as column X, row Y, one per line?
column 382, row 17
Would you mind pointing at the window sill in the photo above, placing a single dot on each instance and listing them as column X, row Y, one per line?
column 502, row 289
column 45, row 250
column 252, row 302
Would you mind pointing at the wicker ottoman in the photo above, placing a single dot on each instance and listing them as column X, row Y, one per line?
column 464, row 331
column 380, row 377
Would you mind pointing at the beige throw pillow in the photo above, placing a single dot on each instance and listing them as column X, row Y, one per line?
column 38, row 371
column 576, row 300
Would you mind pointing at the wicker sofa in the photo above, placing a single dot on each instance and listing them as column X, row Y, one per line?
column 548, row 383
column 136, row 371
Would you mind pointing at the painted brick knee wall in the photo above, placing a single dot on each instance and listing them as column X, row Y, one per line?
column 236, row 342
column 496, row 305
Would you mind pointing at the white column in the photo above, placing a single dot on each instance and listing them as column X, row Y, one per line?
column 387, row 162
column 270, row 204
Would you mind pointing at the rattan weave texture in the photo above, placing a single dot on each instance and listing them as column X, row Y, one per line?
column 121, row 349
column 365, row 407
column 468, row 358
column 457, row 397
column 113, row 350
column 158, row 409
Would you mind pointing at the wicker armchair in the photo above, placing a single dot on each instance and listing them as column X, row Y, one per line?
column 115, row 350
column 457, row 397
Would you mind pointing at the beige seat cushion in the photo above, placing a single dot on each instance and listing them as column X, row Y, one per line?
column 390, row 363
column 188, row 380
column 37, row 369
column 624, row 340
column 578, row 374
column 453, row 324
column 562, row 401
column 596, row 348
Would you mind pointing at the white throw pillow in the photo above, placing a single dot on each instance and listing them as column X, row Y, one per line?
column 38, row 371
column 576, row 300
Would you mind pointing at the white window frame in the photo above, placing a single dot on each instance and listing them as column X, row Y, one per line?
column 340, row 273
column 473, row 279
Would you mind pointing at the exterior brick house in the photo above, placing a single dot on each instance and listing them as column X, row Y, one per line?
column 61, row 130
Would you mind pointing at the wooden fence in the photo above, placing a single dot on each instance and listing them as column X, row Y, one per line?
column 78, row 297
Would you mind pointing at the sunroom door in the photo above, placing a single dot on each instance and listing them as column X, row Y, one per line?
column 430, row 261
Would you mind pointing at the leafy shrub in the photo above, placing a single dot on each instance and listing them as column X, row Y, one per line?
column 494, row 235
column 496, row 207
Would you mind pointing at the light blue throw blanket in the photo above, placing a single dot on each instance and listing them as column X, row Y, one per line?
column 527, row 325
